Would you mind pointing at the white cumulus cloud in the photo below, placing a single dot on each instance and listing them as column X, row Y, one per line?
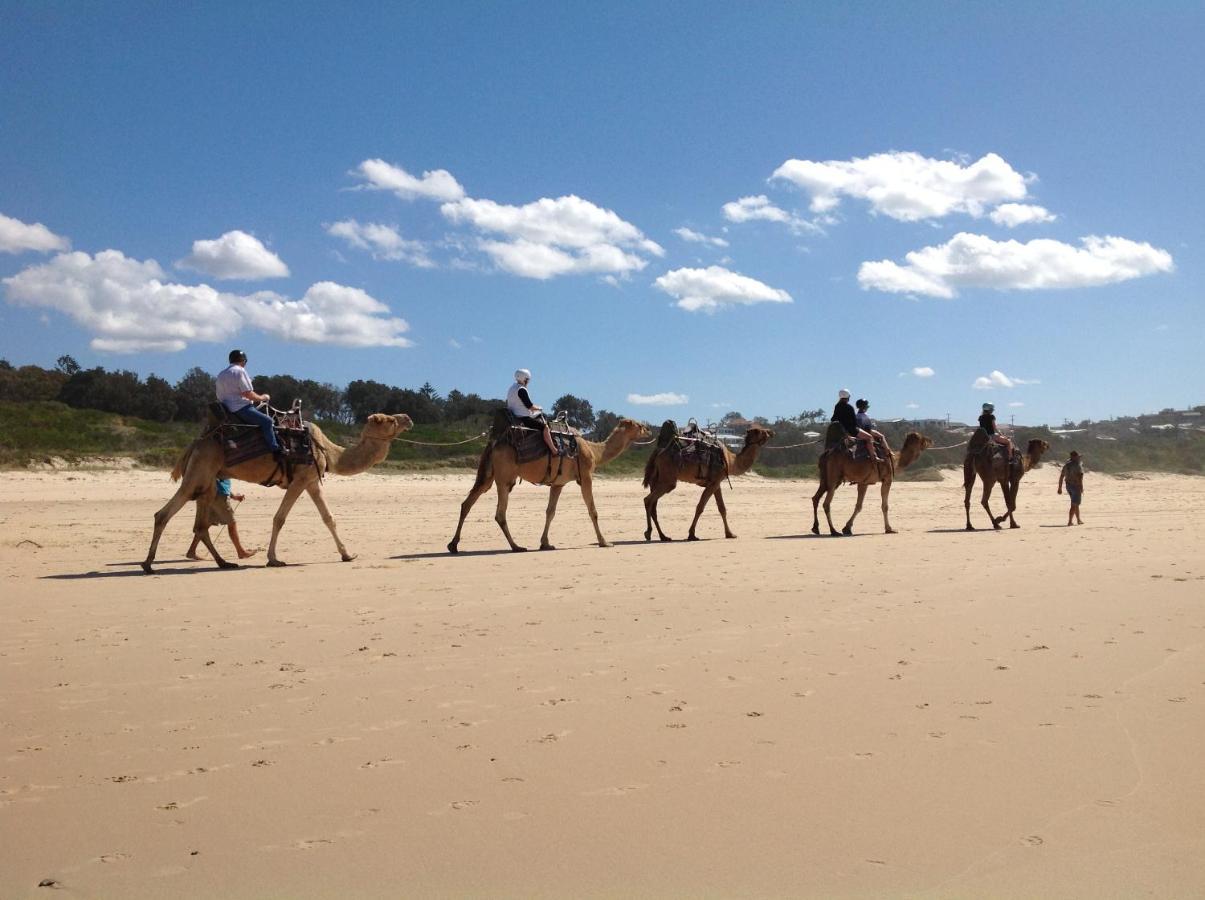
column 998, row 379
column 130, row 306
column 922, row 372
column 911, row 406
column 234, row 255
column 668, row 398
column 1013, row 214
column 759, row 208
column 905, row 185
column 696, row 237
column 976, row 261
column 17, row 237
column 382, row 241
column 438, row 185
column 1016, row 403
column 716, row 287
column 550, row 237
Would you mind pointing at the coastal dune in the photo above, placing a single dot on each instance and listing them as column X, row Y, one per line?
column 935, row 713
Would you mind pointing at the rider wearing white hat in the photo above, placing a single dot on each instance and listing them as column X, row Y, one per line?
column 519, row 404
column 844, row 413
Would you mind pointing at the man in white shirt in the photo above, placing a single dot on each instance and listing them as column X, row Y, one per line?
column 235, row 391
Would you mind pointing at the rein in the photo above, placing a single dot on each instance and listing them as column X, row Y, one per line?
column 475, row 437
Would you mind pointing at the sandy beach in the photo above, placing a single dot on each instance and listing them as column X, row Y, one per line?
column 931, row 714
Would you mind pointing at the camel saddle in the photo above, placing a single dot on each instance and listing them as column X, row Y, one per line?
column 241, row 442
column 981, row 444
column 529, row 442
column 694, row 446
column 835, row 439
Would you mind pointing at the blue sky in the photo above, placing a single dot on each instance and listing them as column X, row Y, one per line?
column 1040, row 165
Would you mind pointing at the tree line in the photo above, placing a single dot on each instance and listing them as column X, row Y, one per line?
column 126, row 393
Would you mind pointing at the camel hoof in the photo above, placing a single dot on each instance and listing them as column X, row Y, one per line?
column 666, row 539
column 605, row 544
column 970, row 527
column 996, row 526
column 815, row 529
column 276, row 564
column 452, row 547
column 890, row 531
column 348, row 557
column 146, row 567
column 226, row 564
column 847, row 531
column 729, row 536
column 518, row 549
column 691, row 537
column 648, row 535
column 1014, row 525
column 547, row 547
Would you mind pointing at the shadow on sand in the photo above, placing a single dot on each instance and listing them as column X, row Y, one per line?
column 137, row 572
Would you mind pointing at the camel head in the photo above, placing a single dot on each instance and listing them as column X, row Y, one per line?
column 1034, row 450
column 632, row 430
column 921, row 441
column 384, row 427
column 758, row 436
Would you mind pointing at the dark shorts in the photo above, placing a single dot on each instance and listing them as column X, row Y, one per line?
column 1075, row 493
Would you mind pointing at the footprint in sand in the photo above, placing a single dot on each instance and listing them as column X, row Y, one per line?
column 1033, row 840
column 311, row 844
column 615, row 791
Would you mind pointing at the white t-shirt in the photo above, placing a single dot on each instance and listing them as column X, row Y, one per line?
column 231, row 382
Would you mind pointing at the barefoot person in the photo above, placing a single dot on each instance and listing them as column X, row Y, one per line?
column 1073, row 474
column 518, row 401
column 221, row 512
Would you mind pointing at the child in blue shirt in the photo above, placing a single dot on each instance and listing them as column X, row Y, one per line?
column 222, row 513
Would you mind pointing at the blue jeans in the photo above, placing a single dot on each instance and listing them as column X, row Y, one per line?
column 253, row 416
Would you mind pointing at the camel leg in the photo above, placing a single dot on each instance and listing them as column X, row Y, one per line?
column 500, row 515
column 820, row 491
column 987, row 492
column 719, row 502
column 200, row 530
column 314, row 489
column 968, row 485
column 849, row 526
column 554, row 494
column 656, row 492
column 707, row 492
column 162, row 517
column 885, row 491
column 828, row 503
column 1012, row 504
column 588, row 496
column 292, row 492
column 475, row 494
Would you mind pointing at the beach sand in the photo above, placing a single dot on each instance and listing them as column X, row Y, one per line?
column 931, row 714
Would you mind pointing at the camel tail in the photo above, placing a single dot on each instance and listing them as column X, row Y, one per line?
column 485, row 466
column 182, row 463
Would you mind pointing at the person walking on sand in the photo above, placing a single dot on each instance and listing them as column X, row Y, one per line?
column 222, row 513
column 518, row 402
column 1073, row 474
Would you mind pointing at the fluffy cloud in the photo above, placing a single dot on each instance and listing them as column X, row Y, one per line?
column 235, row 254
column 551, row 237
column 922, row 372
column 911, row 406
column 329, row 313
column 760, row 209
column 382, row 241
column 667, row 398
column 695, row 237
column 1013, row 214
column 129, row 306
column 907, row 186
column 1016, row 404
column 438, row 185
column 976, row 261
column 998, row 379
column 17, row 237
column 716, row 287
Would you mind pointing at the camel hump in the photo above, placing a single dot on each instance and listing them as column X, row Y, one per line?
column 669, row 431
column 835, row 435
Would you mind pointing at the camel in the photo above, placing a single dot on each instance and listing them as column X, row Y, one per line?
column 992, row 469
column 499, row 466
column 201, row 464
column 662, row 474
column 836, row 467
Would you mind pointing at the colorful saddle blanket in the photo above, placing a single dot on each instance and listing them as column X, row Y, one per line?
column 529, row 442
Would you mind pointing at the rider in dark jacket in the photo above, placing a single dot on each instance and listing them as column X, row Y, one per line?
column 844, row 414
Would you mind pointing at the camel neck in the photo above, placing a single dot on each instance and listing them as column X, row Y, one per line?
column 615, row 444
column 743, row 461
column 359, row 457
